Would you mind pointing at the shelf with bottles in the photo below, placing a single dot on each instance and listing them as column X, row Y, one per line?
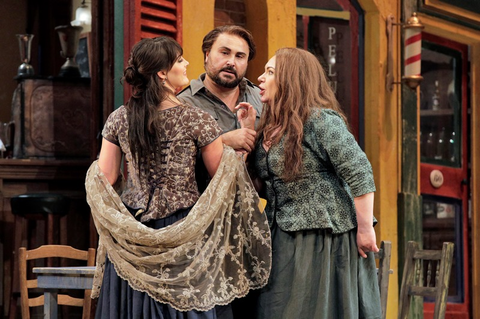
column 439, row 146
column 436, row 102
column 439, row 129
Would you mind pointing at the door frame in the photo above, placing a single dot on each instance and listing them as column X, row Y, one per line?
column 462, row 34
column 455, row 190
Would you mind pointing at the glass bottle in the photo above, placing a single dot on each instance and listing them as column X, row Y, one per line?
column 436, row 98
column 440, row 147
column 430, row 145
column 451, row 148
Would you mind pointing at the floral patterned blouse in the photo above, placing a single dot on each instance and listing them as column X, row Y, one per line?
column 171, row 185
column 335, row 170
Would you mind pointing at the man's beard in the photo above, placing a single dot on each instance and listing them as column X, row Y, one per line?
column 226, row 83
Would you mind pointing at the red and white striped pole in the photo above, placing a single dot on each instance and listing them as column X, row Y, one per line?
column 413, row 52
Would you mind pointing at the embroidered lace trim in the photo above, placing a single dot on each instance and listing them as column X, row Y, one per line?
column 220, row 251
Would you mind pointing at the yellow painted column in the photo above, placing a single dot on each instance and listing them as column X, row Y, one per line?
column 273, row 25
column 198, row 20
column 382, row 127
column 282, row 23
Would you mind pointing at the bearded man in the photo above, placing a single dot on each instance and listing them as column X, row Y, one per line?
column 227, row 51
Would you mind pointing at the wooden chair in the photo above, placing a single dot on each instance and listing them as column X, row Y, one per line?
column 426, row 273
column 42, row 253
column 383, row 272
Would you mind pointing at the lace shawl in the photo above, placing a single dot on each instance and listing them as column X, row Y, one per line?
column 220, row 251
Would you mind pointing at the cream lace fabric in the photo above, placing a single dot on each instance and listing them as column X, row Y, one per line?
column 220, row 251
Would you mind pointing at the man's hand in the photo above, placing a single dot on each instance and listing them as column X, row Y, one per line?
column 246, row 115
column 242, row 139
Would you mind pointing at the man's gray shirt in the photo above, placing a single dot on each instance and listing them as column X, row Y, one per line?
column 197, row 95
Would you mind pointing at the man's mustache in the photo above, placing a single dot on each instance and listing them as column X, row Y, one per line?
column 230, row 69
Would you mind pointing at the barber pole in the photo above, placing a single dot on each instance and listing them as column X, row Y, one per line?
column 413, row 52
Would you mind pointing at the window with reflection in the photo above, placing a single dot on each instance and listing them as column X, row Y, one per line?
column 333, row 32
column 440, row 108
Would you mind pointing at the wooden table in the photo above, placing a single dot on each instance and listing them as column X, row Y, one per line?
column 54, row 278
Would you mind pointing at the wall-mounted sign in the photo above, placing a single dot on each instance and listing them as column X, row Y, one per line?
column 436, row 178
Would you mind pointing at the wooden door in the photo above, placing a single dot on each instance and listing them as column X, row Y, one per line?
column 444, row 162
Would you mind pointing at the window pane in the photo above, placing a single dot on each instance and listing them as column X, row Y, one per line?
column 329, row 40
column 440, row 106
column 442, row 223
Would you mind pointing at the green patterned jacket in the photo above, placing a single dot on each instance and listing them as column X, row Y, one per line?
column 335, row 170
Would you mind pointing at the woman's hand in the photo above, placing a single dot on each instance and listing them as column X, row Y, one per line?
column 366, row 240
column 246, row 115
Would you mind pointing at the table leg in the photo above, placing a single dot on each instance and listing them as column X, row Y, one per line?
column 50, row 308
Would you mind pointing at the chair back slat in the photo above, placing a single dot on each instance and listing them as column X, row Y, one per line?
column 422, row 291
column 427, row 254
column 429, row 274
column 419, row 279
column 444, row 279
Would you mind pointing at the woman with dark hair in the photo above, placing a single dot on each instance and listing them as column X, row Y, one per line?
column 319, row 189
column 164, row 250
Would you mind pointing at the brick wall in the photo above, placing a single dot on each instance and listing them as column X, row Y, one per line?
column 229, row 12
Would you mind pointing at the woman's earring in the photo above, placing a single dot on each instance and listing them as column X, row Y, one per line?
column 164, row 81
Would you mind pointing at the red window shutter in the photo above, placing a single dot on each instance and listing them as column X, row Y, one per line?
column 152, row 18
column 149, row 19
column 160, row 18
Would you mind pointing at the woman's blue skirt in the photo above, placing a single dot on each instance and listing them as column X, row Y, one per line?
column 118, row 300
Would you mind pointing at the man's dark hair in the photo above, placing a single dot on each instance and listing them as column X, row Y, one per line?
column 243, row 33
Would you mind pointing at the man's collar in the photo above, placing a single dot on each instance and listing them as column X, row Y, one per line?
column 197, row 85
column 249, row 83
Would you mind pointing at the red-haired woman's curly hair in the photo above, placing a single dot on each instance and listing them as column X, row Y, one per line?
column 301, row 87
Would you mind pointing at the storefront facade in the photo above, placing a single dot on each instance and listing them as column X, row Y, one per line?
column 423, row 143
column 406, row 133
